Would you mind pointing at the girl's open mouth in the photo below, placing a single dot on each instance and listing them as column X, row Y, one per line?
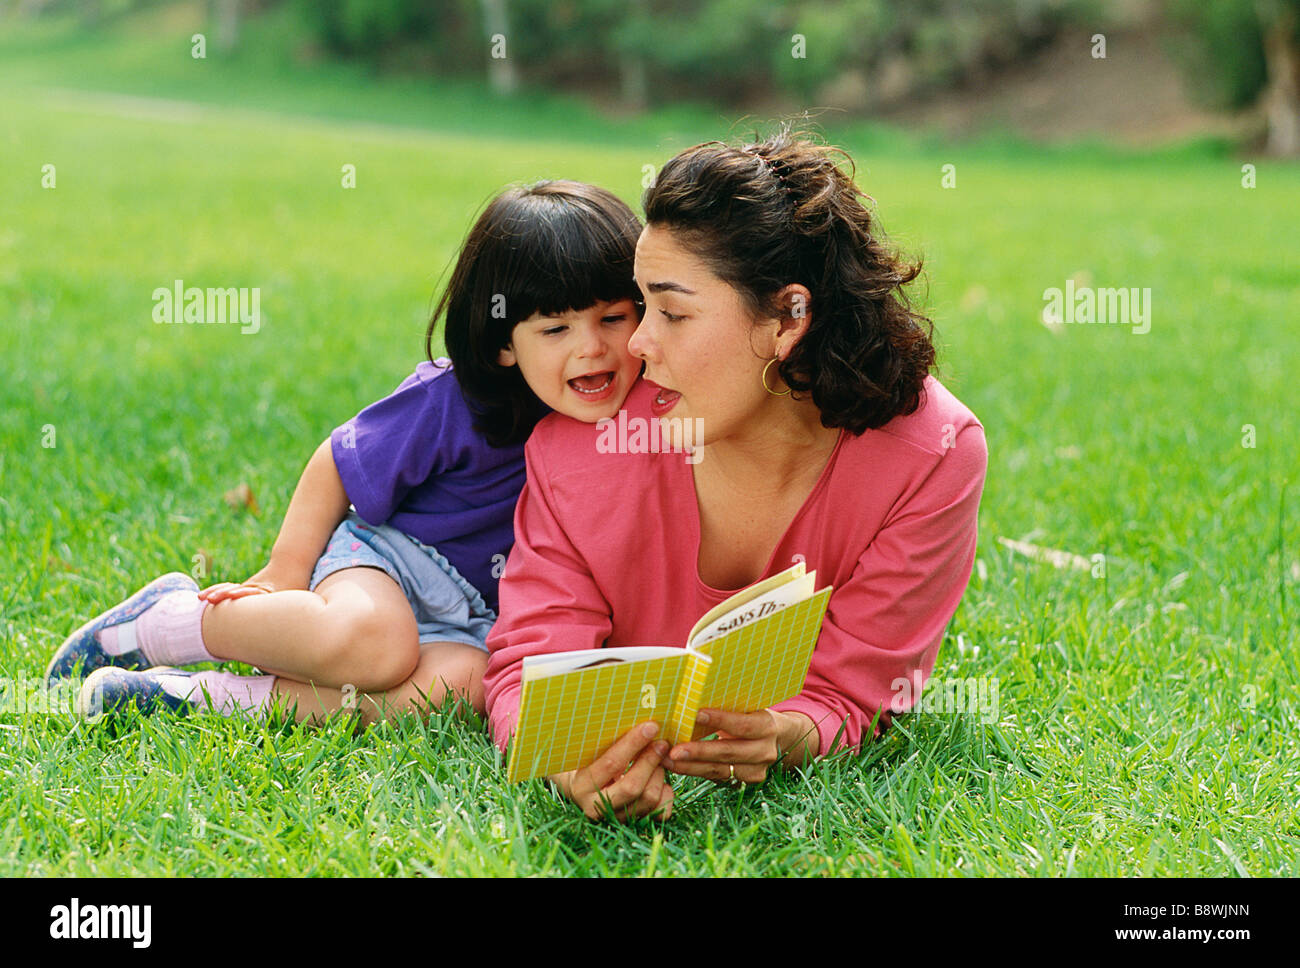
column 594, row 386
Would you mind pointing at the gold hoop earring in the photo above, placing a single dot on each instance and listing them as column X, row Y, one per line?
column 768, row 388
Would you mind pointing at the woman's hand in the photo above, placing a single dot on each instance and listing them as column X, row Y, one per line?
column 748, row 744
column 273, row 578
column 630, row 790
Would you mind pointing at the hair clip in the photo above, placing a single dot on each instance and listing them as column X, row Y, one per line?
column 771, row 166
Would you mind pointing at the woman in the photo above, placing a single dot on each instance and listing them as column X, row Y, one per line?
column 775, row 323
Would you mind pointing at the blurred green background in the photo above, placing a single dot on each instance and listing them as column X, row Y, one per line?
column 1144, row 68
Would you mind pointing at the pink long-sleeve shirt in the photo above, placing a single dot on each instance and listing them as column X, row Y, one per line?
column 606, row 550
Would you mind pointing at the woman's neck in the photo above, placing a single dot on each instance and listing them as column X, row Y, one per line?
column 775, row 452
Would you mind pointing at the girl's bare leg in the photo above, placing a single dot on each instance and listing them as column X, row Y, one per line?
column 444, row 668
column 356, row 628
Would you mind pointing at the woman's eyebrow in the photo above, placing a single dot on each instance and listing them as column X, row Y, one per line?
column 670, row 287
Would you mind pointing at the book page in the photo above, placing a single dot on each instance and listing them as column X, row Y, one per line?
column 566, row 721
column 766, row 662
column 744, row 595
column 767, row 601
column 554, row 663
column 749, row 652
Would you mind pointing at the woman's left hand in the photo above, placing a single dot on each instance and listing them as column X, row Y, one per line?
column 747, row 746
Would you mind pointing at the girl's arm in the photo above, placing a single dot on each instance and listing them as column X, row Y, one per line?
column 319, row 503
column 383, row 452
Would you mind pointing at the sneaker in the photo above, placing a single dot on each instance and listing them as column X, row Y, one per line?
column 111, row 689
column 82, row 650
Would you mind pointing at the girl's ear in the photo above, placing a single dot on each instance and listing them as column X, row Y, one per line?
column 507, row 356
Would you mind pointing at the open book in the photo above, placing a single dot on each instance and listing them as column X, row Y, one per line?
column 746, row 653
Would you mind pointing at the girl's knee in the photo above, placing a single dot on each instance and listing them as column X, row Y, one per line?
column 372, row 648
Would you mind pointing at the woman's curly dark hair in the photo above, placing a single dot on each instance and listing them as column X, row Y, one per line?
column 771, row 213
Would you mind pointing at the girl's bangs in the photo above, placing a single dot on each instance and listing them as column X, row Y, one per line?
column 570, row 261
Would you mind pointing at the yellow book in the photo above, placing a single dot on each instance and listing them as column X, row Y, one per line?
column 745, row 654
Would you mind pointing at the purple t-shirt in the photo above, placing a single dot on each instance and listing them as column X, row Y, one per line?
column 414, row 461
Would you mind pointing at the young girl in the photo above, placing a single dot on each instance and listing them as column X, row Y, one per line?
column 389, row 610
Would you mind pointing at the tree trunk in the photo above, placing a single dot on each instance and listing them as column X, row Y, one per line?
column 632, row 68
column 635, row 89
column 1282, row 96
column 226, row 16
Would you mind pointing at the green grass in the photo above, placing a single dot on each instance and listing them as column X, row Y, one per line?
column 1147, row 722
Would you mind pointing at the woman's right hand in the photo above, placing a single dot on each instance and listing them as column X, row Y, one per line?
column 632, row 791
column 272, row 578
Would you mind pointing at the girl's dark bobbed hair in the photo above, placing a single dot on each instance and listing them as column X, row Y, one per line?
column 545, row 248
column 771, row 213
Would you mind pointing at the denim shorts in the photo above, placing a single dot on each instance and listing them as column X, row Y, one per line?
column 447, row 607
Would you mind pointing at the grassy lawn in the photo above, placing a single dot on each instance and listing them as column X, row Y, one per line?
column 1147, row 718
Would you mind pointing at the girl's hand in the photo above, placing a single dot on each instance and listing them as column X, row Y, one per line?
column 747, row 745
column 228, row 591
column 269, row 579
column 630, row 790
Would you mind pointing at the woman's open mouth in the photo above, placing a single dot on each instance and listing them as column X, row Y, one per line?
column 664, row 401
column 594, row 386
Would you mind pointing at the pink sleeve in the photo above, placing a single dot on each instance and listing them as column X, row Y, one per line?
column 549, row 600
column 887, row 621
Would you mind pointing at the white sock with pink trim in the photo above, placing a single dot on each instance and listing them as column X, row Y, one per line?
column 170, row 633
column 227, row 692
